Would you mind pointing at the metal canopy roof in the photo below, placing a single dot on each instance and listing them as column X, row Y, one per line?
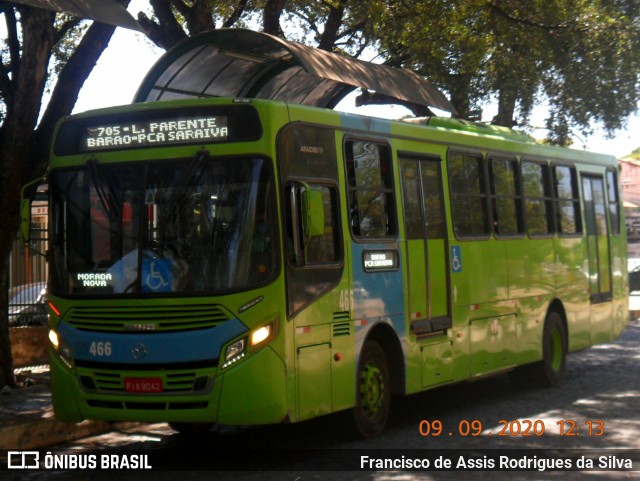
column 248, row 64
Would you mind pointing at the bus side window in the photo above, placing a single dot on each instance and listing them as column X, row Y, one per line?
column 538, row 198
column 370, row 189
column 468, row 195
column 506, row 197
column 567, row 200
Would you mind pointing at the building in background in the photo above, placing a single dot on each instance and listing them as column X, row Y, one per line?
column 630, row 181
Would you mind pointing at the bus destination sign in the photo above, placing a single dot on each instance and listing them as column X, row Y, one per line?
column 156, row 132
column 380, row 260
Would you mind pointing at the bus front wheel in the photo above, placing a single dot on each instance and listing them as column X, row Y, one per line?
column 373, row 390
column 553, row 367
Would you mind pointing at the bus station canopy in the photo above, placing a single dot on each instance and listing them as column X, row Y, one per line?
column 103, row 11
column 246, row 64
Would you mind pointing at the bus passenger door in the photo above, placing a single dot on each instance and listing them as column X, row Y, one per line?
column 320, row 347
column 316, row 286
column 427, row 290
column 598, row 257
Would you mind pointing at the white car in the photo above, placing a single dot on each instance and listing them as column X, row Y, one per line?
column 28, row 305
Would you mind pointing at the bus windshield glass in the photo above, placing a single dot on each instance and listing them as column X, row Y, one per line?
column 184, row 227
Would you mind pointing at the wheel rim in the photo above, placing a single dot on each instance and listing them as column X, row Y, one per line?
column 556, row 350
column 372, row 390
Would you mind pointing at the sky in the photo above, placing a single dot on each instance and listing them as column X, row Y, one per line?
column 123, row 65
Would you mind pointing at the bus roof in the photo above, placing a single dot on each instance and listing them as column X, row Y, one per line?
column 243, row 63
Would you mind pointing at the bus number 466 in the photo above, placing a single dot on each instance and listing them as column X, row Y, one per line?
column 100, row 349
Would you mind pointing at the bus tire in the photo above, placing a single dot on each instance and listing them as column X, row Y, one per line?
column 373, row 390
column 553, row 367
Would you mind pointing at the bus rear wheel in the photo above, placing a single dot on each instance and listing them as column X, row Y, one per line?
column 553, row 367
column 373, row 390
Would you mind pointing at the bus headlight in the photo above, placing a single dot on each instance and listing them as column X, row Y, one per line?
column 63, row 350
column 234, row 352
column 260, row 335
column 53, row 339
column 256, row 339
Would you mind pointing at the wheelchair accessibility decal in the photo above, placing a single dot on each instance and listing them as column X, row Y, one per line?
column 456, row 259
column 157, row 275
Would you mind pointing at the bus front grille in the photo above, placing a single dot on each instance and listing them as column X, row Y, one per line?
column 146, row 318
column 158, row 406
column 173, row 382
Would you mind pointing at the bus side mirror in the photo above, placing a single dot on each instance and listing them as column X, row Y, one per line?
column 25, row 217
column 313, row 213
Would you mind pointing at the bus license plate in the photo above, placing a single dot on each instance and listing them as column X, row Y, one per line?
column 143, row 384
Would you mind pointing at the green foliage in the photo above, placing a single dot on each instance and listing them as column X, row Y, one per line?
column 342, row 26
column 70, row 31
column 579, row 56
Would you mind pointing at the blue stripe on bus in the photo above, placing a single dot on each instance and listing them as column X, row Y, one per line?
column 378, row 295
column 365, row 123
column 160, row 348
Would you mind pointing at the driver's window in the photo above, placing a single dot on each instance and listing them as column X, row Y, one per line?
column 318, row 250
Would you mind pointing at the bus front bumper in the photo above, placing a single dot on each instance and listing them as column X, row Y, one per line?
column 250, row 392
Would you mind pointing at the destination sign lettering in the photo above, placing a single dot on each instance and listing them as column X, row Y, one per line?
column 156, row 132
column 380, row 260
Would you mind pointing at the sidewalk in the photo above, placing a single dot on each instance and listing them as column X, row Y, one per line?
column 26, row 415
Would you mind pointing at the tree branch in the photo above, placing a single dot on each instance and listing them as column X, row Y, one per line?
column 166, row 33
column 181, row 7
column 331, row 26
column 271, row 16
column 13, row 40
column 199, row 18
column 65, row 28
column 369, row 98
column 236, row 14
column 6, row 85
column 493, row 6
column 70, row 81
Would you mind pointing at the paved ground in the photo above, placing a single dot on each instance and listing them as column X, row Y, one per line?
column 602, row 392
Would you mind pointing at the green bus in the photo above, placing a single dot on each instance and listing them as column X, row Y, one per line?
column 242, row 259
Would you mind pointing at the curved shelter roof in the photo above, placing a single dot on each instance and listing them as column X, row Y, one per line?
column 248, row 64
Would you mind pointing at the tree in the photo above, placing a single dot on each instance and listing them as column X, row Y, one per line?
column 329, row 25
column 35, row 39
column 579, row 56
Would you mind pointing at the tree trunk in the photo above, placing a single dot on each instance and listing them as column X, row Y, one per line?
column 70, row 82
column 506, row 110
column 271, row 18
column 460, row 96
column 15, row 145
column 331, row 27
column 23, row 151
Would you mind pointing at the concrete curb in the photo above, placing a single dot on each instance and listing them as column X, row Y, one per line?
column 27, row 421
column 48, row 432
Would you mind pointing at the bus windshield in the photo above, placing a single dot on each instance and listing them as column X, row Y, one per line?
column 183, row 227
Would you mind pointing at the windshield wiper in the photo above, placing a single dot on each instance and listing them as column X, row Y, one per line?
column 105, row 197
column 178, row 196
